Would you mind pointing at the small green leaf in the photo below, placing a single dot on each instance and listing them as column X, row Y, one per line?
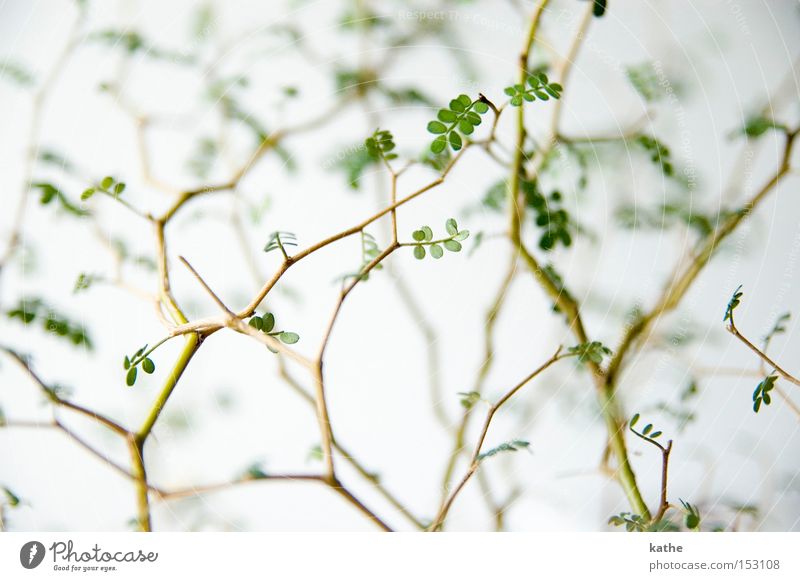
column 257, row 322
column 452, row 245
column 451, row 226
column 419, row 252
column 126, row 363
column 148, row 366
column 426, row 230
column 481, row 107
column 268, row 322
column 130, row 378
column 446, row 116
column 88, row 193
column 436, row 251
column 634, row 419
column 439, row 144
column 289, row 338
column 107, row 182
column 418, row 235
column 436, row 127
column 647, row 429
column 455, row 141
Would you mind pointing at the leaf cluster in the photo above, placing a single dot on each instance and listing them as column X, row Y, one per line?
column 593, row 351
column 424, row 238
column 51, row 194
column 762, row 392
column 512, row 446
column 108, row 185
column 266, row 324
column 132, row 363
column 29, row 310
column 455, row 122
column 537, row 86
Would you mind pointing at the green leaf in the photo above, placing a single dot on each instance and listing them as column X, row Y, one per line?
column 439, row 144
column 130, row 378
column 428, row 233
column 148, row 366
column 455, row 141
column 446, row 116
column 256, row 322
column 107, row 182
column 11, row 498
column 647, row 429
column 88, row 193
column 512, row 446
column 451, row 226
column 289, row 338
column 268, row 322
column 436, row 127
column 481, row 107
column 734, row 302
column 126, row 363
column 436, row 251
column 452, row 245
column 634, row 419
column 418, row 235
column 419, row 252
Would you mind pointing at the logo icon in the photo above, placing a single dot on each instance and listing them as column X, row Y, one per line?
column 31, row 554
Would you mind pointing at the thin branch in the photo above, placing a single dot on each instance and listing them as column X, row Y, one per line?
column 475, row 460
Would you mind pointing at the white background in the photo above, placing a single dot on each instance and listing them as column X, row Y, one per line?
column 724, row 58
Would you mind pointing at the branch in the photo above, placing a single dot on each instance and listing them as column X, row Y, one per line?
column 475, row 460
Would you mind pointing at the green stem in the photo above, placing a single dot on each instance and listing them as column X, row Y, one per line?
column 189, row 349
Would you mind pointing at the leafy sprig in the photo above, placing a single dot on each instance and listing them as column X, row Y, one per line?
column 648, row 433
column 141, row 358
column 50, row 194
column 424, row 238
column 455, row 122
column 593, row 351
column 29, row 310
column 512, row 446
column 380, row 145
column 108, row 185
column 279, row 241
column 266, row 324
column 537, row 86
column 659, row 153
column 692, row 515
column 734, row 302
column 762, row 392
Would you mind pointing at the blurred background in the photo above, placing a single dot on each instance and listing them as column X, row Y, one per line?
column 208, row 77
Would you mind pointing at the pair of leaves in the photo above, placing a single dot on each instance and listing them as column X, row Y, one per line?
column 424, row 238
column 593, row 351
column 266, row 324
column 537, row 86
column 29, row 310
column 762, row 392
column 455, row 122
column 132, row 364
